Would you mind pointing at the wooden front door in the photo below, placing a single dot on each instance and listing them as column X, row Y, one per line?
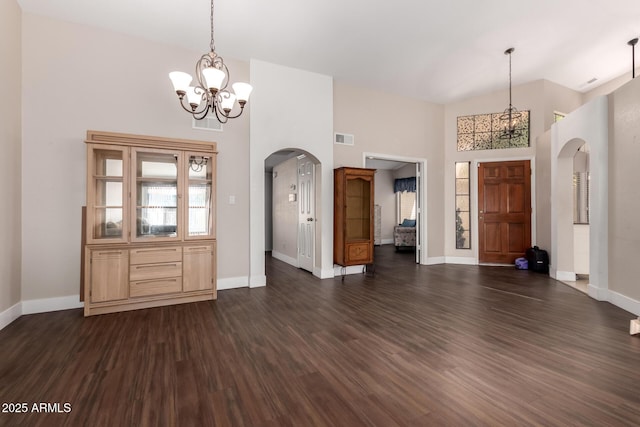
column 504, row 214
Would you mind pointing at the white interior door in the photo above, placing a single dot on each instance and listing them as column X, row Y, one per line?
column 306, row 214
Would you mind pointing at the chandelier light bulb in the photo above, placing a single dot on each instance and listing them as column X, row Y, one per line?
column 227, row 101
column 214, row 78
column 181, row 81
column 242, row 91
column 194, row 97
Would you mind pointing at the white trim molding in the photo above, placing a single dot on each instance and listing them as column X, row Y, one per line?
column 624, row 302
column 565, row 276
column 326, row 273
column 285, row 258
column 258, row 281
column 461, row 260
column 436, row 260
column 232, row 283
column 339, row 270
column 51, row 304
column 10, row 314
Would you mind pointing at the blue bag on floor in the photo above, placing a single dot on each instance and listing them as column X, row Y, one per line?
column 522, row 264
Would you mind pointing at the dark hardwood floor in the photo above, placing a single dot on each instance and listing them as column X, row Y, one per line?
column 411, row 346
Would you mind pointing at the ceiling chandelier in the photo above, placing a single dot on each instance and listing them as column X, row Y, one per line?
column 210, row 94
column 510, row 119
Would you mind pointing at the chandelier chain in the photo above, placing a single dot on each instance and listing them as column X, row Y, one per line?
column 209, row 93
column 212, row 44
column 510, row 104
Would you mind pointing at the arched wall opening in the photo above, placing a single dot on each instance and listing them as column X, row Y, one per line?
column 588, row 124
column 565, row 259
column 288, row 173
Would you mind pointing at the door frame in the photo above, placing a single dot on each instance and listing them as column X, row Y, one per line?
column 422, row 228
column 475, row 202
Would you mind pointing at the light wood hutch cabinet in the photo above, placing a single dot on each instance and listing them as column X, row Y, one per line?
column 353, row 216
column 150, row 222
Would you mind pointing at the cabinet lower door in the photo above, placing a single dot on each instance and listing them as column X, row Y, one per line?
column 197, row 268
column 109, row 279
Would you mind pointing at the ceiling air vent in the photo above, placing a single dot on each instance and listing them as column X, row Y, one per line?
column 343, row 139
column 208, row 123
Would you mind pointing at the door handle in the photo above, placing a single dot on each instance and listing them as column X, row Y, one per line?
column 309, row 219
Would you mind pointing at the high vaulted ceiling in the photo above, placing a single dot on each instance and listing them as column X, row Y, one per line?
column 438, row 51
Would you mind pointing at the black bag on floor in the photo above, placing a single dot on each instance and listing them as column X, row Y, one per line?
column 538, row 259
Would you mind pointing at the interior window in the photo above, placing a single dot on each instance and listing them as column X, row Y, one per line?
column 406, row 204
column 463, row 202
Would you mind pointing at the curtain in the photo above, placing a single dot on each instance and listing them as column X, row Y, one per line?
column 404, row 184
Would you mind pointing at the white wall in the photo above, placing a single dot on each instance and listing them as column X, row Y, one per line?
column 385, row 197
column 525, row 97
column 10, row 163
column 285, row 212
column 543, row 193
column 268, row 211
column 624, row 195
column 609, row 87
column 291, row 109
column 542, row 98
column 412, row 130
column 407, row 171
column 77, row 78
column 589, row 124
column 558, row 98
column 581, row 248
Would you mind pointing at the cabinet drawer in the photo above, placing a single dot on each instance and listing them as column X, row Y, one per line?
column 155, row 287
column 359, row 252
column 155, row 255
column 198, row 249
column 108, row 253
column 155, row 271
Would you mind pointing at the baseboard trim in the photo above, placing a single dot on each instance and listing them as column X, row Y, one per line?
column 232, row 283
column 339, row 270
column 624, row 302
column 436, row 260
column 44, row 305
column 257, row 281
column 387, row 241
column 285, row 258
column 565, row 276
column 599, row 294
column 10, row 314
column 323, row 273
column 461, row 260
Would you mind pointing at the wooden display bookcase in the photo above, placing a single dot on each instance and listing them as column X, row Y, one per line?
column 150, row 222
column 353, row 216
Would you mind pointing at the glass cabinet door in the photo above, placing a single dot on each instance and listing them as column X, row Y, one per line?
column 358, row 209
column 107, row 206
column 156, row 195
column 199, row 171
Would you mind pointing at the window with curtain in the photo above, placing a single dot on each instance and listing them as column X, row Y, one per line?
column 405, row 189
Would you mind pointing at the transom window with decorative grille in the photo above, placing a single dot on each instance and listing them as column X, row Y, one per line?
column 482, row 132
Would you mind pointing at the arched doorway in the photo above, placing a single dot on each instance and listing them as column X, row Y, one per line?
column 290, row 207
column 588, row 124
